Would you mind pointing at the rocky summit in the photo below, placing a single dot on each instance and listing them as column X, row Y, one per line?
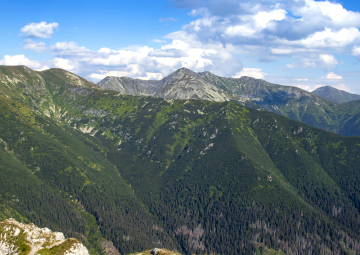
column 19, row 238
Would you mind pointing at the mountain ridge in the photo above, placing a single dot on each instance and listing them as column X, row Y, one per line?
column 291, row 102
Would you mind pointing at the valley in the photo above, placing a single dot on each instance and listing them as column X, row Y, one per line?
column 195, row 163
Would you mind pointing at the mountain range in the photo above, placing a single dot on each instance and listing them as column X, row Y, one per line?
column 315, row 109
column 129, row 173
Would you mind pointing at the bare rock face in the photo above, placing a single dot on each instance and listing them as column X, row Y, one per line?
column 16, row 238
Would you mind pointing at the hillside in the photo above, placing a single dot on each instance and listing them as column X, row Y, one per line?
column 193, row 176
column 335, row 95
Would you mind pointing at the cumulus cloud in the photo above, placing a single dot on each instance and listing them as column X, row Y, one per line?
column 311, row 32
column 39, row 30
column 328, row 38
column 332, row 76
column 142, row 62
column 270, row 29
column 251, row 72
column 328, row 60
column 66, row 64
column 17, row 60
column 332, row 14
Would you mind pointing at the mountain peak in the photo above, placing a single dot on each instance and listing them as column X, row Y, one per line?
column 335, row 95
column 179, row 73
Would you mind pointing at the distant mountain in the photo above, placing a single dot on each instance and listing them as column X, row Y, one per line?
column 288, row 101
column 181, row 84
column 194, row 176
column 335, row 95
column 349, row 118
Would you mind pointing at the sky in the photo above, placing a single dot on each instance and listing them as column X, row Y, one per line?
column 303, row 43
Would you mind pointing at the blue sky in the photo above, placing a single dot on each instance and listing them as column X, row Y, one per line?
column 304, row 43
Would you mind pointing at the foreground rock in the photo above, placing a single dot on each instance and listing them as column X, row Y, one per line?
column 156, row 251
column 19, row 238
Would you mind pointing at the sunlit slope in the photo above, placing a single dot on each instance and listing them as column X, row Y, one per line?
column 54, row 176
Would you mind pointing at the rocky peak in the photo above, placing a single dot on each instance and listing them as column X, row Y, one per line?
column 179, row 74
column 18, row 238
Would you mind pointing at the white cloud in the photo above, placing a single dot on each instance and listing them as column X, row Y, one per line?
column 328, row 61
column 328, row 38
column 251, row 72
column 302, row 79
column 332, row 14
column 142, row 62
column 356, row 51
column 35, row 46
column 42, row 68
column 68, row 48
column 39, row 30
column 65, row 64
column 324, row 61
column 263, row 19
column 268, row 29
column 304, row 87
column 332, row 76
column 310, row 31
column 17, row 60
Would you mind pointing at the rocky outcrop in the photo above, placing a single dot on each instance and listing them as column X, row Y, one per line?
column 17, row 238
column 157, row 251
